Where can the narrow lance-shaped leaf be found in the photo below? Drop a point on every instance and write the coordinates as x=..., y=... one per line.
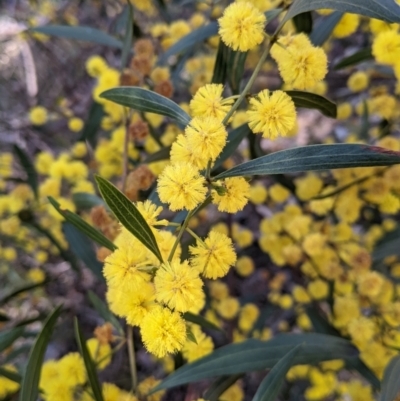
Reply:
x=85, y=201
x=355, y=58
x=128, y=215
x=7, y=337
x=83, y=226
x=82, y=247
x=92, y=124
x=146, y=101
x=128, y=40
x=310, y=100
x=270, y=386
x=199, y=35
x=29, y=168
x=235, y=137
x=200, y=320
x=9, y=374
x=83, y=33
x=15, y=292
x=253, y=355
x=104, y=312
x=89, y=364
x=315, y=157
x=324, y=28
x=386, y=10
x=391, y=381
x=30, y=382
x=320, y=325
x=219, y=386
x=303, y=22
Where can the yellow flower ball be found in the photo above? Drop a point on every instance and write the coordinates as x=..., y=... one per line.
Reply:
x=178, y=286
x=242, y=26
x=244, y=266
x=181, y=186
x=163, y=332
x=38, y=115
x=213, y=257
x=358, y=81
x=75, y=124
x=231, y=194
x=272, y=114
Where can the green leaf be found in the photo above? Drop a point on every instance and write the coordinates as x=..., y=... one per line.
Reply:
x=190, y=336
x=199, y=35
x=65, y=254
x=303, y=22
x=364, y=129
x=219, y=386
x=324, y=28
x=220, y=66
x=272, y=383
x=310, y=100
x=92, y=124
x=7, y=337
x=128, y=40
x=200, y=320
x=83, y=33
x=320, y=325
x=355, y=58
x=24, y=288
x=8, y=374
x=253, y=355
x=89, y=364
x=162, y=154
x=315, y=157
x=386, y=10
x=104, y=312
x=82, y=248
x=29, y=168
x=235, y=69
x=391, y=382
x=146, y=101
x=86, y=201
x=83, y=226
x=128, y=215
x=388, y=245
x=235, y=137
x=30, y=382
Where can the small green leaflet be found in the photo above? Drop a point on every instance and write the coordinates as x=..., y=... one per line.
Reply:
x=128, y=215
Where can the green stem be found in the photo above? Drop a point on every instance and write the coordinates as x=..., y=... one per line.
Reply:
x=132, y=358
x=194, y=235
x=178, y=238
x=248, y=86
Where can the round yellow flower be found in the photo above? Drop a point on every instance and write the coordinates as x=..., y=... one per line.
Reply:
x=72, y=369
x=38, y=115
x=272, y=114
x=358, y=81
x=75, y=124
x=122, y=267
x=163, y=332
x=303, y=68
x=242, y=26
x=231, y=195
x=208, y=102
x=214, y=256
x=178, y=285
x=207, y=136
x=386, y=47
x=181, y=186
